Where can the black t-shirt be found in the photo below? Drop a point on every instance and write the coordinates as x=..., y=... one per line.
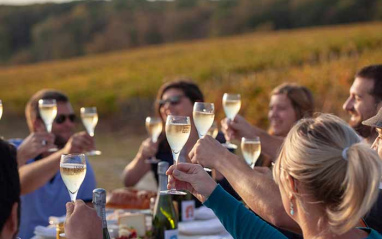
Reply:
x=374, y=218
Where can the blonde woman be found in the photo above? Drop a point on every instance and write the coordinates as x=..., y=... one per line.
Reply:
x=328, y=181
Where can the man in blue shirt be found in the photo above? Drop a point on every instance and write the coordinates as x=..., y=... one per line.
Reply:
x=43, y=192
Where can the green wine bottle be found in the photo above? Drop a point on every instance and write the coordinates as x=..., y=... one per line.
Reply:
x=165, y=221
x=185, y=207
x=99, y=202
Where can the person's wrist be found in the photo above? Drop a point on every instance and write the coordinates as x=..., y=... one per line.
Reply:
x=210, y=188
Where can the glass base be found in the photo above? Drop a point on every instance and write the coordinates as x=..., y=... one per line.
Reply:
x=173, y=192
x=230, y=146
x=152, y=160
x=93, y=153
x=52, y=149
x=207, y=169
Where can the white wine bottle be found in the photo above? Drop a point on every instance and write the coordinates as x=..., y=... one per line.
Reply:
x=165, y=221
x=99, y=202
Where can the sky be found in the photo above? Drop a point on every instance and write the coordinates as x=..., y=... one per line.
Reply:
x=26, y=2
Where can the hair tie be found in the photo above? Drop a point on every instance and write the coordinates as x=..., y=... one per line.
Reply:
x=345, y=153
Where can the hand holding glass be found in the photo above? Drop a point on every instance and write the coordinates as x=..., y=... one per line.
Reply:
x=251, y=149
x=231, y=105
x=154, y=128
x=48, y=112
x=214, y=130
x=89, y=118
x=73, y=171
x=178, y=130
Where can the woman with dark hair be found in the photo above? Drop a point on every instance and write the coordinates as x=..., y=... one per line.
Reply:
x=173, y=98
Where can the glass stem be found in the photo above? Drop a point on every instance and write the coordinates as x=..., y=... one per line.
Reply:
x=49, y=128
x=175, y=157
x=73, y=196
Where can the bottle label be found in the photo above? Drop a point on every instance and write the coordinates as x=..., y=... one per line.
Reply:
x=188, y=210
x=171, y=234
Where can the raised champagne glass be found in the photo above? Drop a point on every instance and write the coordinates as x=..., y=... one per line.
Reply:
x=203, y=115
x=1, y=109
x=89, y=118
x=154, y=127
x=48, y=112
x=231, y=105
x=73, y=171
x=251, y=149
x=178, y=130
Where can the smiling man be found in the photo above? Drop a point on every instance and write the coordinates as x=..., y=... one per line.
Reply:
x=43, y=192
x=365, y=100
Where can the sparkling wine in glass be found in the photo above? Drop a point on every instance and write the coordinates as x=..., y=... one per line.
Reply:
x=231, y=105
x=73, y=171
x=89, y=118
x=48, y=112
x=203, y=115
x=154, y=129
x=251, y=149
x=1, y=109
x=178, y=130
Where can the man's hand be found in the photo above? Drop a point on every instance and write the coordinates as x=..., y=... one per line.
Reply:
x=34, y=145
x=237, y=128
x=208, y=152
x=82, y=222
x=80, y=142
x=193, y=178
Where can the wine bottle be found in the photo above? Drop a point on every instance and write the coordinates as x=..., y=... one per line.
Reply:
x=185, y=207
x=99, y=202
x=165, y=221
x=184, y=204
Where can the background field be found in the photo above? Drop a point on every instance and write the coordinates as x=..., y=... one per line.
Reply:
x=123, y=84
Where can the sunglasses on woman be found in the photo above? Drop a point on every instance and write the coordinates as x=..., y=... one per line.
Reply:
x=173, y=100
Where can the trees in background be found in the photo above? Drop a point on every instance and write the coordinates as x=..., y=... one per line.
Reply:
x=55, y=31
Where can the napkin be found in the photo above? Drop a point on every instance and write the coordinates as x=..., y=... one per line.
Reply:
x=204, y=213
x=45, y=232
x=205, y=227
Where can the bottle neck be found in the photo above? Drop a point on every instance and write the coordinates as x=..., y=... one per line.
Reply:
x=100, y=208
x=162, y=182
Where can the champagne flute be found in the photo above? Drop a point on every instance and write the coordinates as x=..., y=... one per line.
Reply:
x=154, y=128
x=231, y=105
x=48, y=112
x=203, y=115
x=251, y=149
x=178, y=130
x=73, y=171
x=1, y=109
x=89, y=118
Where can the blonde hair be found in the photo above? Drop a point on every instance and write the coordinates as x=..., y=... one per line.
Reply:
x=345, y=185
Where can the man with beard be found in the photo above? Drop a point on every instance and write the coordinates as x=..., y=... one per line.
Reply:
x=364, y=100
x=43, y=191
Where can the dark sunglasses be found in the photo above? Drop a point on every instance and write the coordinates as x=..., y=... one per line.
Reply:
x=174, y=100
x=62, y=118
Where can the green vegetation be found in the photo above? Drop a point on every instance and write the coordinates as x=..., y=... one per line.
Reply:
x=43, y=32
x=125, y=83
